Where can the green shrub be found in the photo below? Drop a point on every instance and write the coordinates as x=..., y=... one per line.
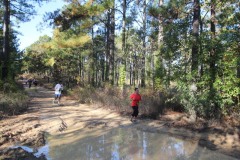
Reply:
x=196, y=101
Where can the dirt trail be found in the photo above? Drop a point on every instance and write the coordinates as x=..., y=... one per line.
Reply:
x=44, y=116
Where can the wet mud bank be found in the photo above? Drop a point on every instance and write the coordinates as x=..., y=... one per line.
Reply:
x=23, y=148
x=225, y=142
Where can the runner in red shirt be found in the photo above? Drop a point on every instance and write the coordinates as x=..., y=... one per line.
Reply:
x=135, y=97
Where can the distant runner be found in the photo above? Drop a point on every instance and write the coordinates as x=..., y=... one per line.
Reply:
x=58, y=91
x=35, y=82
x=29, y=82
x=135, y=97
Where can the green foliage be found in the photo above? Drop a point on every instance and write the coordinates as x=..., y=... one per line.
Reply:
x=122, y=76
x=226, y=83
x=80, y=49
x=22, y=11
x=191, y=99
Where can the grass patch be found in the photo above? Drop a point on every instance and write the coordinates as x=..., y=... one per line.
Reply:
x=13, y=99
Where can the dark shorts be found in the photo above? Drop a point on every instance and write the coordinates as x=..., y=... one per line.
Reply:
x=135, y=111
x=57, y=95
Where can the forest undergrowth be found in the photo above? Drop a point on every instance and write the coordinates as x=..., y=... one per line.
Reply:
x=154, y=105
x=13, y=99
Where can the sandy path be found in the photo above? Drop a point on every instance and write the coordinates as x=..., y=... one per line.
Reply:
x=43, y=116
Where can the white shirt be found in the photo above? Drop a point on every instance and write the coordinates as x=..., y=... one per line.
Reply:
x=58, y=88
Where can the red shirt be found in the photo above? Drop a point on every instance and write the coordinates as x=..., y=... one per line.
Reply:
x=135, y=99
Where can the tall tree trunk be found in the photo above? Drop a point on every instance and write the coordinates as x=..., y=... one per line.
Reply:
x=238, y=64
x=195, y=46
x=83, y=72
x=215, y=110
x=130, y=70
x=238, y=61
x=124, y=27
x=195, y=33
x=94, y=79
x=80, y=69
x=93, y=58
x=152, y=66
x=107, y=46
x=117, y=66
x=6, y=50
x=134, y=61
x=102, y=68
x=144, y=43
x=201, y=48
x=158, y=70
x=112, y=44
x=160, y=26
x=213, y=50
x=124, y=37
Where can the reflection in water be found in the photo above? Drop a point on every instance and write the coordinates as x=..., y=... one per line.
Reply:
x=126, y=143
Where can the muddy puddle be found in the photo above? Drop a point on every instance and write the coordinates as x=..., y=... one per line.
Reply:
x=125, y=143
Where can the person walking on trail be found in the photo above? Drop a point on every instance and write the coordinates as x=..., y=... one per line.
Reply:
x=58, y=91
x=35, y=82
x=135, y=97
x=29, y=82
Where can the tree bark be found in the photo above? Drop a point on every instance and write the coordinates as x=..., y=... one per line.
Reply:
x=159, y=67
x=213, y=50
x=195, y=33
x=201, y=48
x=6, y=51
x=124, y=27
x=112, y=44
x=124, y=37
x=160, y=27
x=107, y=47
x=238, y=61
x=144, y=43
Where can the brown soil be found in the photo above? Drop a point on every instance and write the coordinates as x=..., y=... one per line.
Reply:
x=44, y=117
